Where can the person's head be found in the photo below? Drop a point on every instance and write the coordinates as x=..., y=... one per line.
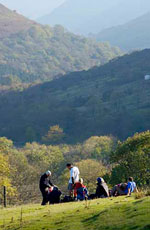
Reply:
x=100, y=180
x=69, y=166
x=81, y=181
x=130, y=179
x=48, y=173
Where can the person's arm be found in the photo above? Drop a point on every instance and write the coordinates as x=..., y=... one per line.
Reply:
x=50, y=183
x=72, y=176
x=47, y=184
x=72, y=180
x=129, y=191
x=135, y=189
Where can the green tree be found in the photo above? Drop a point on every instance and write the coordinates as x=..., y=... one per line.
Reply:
x=5, y=167
x=43, y=157
x=132, y=158
x=98, y=148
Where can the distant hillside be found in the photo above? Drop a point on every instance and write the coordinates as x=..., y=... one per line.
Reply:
x=11, y=22
x=133, y=35
x=86, y=16
x=111, y=99
x=39, y=53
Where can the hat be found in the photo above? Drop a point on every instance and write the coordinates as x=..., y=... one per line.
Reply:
x=100, y=180
x=48, y=173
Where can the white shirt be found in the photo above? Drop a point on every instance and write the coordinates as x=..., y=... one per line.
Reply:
x=74, y=172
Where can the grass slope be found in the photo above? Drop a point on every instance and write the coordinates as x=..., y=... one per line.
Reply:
x=11, y=22
x=112, y=214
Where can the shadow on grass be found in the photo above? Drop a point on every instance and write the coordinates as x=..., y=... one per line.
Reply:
x=95, y=226
x=94, y=218
x=146, y=227
x=138, y=202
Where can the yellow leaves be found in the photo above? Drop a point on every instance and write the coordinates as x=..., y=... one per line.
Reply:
x=4, y=168
x=4, y=171
x=5, y=180
x=5, y=145
x=55, y=134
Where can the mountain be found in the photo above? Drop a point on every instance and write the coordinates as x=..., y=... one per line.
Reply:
x=11, y=22
x=86, y=16
x=132, y=35
x=32, y=9
x=112, y=99
x=32, y=52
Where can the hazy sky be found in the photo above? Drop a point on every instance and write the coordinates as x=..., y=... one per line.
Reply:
x=32, y=8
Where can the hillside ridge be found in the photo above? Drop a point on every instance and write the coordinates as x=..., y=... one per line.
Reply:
x=11, y=22
x=39, y=53
x=85, y=103
x=132, y=35
x=99, y=14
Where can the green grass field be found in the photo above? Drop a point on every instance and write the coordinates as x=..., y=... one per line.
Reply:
x=122, y=213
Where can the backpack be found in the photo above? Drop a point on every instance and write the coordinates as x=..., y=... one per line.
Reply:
x=82, y=193
x=67, y=199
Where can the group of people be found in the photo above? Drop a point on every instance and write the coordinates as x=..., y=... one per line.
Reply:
x=77, y=189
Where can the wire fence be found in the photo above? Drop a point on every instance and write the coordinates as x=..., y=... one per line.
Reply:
x=25, y=196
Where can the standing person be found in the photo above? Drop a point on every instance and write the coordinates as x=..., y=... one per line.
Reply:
x=74, y=177
x=45, y=184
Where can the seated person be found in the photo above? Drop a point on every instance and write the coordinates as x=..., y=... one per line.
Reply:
x=131, y=187
x=119, y=189
x=101, y=190
x=124, y=189
x=80, y=190
x=54, y=195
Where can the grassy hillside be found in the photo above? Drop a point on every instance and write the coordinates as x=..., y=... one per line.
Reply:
x=11, y=22
x=111, y=214
x=112, y=99
x=133, y=35
x=34, y=53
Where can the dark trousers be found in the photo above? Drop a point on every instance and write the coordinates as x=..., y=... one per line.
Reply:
x=45, y=198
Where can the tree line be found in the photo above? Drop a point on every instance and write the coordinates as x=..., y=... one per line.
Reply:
x=21, y=168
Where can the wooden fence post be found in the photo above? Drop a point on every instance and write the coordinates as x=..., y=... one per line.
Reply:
x=5, y=197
